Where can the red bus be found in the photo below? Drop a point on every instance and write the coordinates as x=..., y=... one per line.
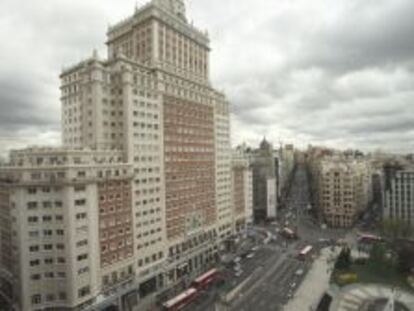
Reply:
x=369, y=238
x=204, y=280
x=288, y=233
x=304, y=252
x=180, y=301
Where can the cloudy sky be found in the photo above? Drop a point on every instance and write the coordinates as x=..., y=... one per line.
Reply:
x=339, y=73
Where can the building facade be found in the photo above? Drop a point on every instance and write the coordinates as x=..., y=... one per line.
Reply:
x=242, y=183
x=342, y=189
x=142, y=187
x=398, y=194
x=71, y=225
x=287, y=163
x=264, y=183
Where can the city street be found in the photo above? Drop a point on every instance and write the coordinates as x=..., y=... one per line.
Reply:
x=275, y=271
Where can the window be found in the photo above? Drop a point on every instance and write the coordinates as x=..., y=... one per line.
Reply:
x=47, y=204
x=82, y=257
x=34, y=248
x=35, y=277
x=80, y=202
x=59, y=218
x=36, y=299
x=60, y=232
x=49, y=275
x=60, y=246
x=81, y=216
x=82, y=243
x=49, y=261
x=31, y=190
x=83, y=270
x=84, y=291
x=50, y=297
x=34, y=263
x=62, y=296
x=48, y=247
x=79, y=188
x=47, y=218
x=47, y=232
x=31, y=205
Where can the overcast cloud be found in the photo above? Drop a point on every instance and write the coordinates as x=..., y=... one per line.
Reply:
x=339, y=73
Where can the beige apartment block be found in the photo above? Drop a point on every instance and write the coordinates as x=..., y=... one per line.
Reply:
x=343, y=189
x=143, y=182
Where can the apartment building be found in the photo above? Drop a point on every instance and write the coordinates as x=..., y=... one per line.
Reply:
x=142, y=187
x=342, y=189
x=287, y=160
x=242, y=182
x=398, y=193
x=70, y=225
x=264, y=182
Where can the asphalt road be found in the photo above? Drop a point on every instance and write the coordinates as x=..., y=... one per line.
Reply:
x=274, y=269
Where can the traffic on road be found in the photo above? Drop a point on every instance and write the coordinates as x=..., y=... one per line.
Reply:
x=271, y=260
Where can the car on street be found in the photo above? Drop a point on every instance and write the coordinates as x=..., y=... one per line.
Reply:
x=251, y=255
x=237, y=267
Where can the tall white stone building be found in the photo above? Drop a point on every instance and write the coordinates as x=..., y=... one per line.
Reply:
x=140, y=195
x=242, y=183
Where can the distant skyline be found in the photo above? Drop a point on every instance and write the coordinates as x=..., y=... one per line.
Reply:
x=336, y=73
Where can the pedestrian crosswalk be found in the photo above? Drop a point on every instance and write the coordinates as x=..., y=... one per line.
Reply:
x=355, y=298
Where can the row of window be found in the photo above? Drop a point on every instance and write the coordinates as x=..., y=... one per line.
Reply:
x=50, y=297
x=45, y=219
x=148, y=223
x=46, y=247
x=47, y=261
x=147, y=233
x=150, y=259
x=48, y=275
x=33, y=205
x=148, y=244
x=46, y=233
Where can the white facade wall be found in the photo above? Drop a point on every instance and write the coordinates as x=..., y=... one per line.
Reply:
x=223, y=169
x=271, y=198
x=399, y=198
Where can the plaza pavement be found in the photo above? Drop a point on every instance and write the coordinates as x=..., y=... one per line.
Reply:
x=316, y=283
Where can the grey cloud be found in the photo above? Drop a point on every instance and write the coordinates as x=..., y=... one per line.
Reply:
x=335, y=72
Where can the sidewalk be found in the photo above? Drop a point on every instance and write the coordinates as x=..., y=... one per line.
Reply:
x=315, y=284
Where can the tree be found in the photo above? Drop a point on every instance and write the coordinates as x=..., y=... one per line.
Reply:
x=405, y=259
x=396, y=228
x=377, y=256
x=344, y=259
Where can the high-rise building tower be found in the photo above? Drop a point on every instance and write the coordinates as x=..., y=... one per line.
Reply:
x=139, y=197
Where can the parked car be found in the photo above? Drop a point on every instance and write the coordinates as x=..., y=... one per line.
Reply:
x=238, y=273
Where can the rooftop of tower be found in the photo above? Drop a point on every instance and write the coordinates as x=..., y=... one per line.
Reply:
x=173, y=10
